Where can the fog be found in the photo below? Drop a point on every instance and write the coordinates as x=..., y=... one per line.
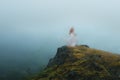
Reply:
x=32, y=30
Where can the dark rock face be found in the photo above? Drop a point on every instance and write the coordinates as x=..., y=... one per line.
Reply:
x=59, y=57
x=62, y=54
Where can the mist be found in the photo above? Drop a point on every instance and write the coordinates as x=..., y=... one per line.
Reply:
x=32, y=30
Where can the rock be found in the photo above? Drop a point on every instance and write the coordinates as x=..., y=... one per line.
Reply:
x=63, y=54
x=59, y=58
x=85, y=46
x=82, y=63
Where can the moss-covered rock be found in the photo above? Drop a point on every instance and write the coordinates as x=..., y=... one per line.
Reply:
x=81, y=63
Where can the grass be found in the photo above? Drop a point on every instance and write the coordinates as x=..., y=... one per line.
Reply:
x=84, y=67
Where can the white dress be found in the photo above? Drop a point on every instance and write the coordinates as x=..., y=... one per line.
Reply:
x=72, y=41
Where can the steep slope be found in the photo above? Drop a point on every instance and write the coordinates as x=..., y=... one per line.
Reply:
x=81, y=63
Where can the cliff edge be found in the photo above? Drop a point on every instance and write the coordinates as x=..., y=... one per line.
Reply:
x=81, y=63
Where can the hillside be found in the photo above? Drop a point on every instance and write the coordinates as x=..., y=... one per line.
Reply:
x=81, y=63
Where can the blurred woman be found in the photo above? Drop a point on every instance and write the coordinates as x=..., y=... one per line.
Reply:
x=72, y=41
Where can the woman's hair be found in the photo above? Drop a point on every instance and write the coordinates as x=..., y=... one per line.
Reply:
x=71, y=30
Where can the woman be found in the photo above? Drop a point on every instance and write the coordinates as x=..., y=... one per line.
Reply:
x=72, y=39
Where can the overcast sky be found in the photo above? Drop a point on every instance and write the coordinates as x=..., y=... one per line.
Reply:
x=28, y=25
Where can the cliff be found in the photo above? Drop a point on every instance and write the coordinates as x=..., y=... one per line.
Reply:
x=81, y=63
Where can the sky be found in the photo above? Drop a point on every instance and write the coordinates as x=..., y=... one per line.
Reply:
x=32, y=30
x=30, y=25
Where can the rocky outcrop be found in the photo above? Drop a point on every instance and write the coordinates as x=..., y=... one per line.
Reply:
x=81, y=63
x=63, y=55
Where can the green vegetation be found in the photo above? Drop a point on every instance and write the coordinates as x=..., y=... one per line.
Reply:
x=89, y=64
